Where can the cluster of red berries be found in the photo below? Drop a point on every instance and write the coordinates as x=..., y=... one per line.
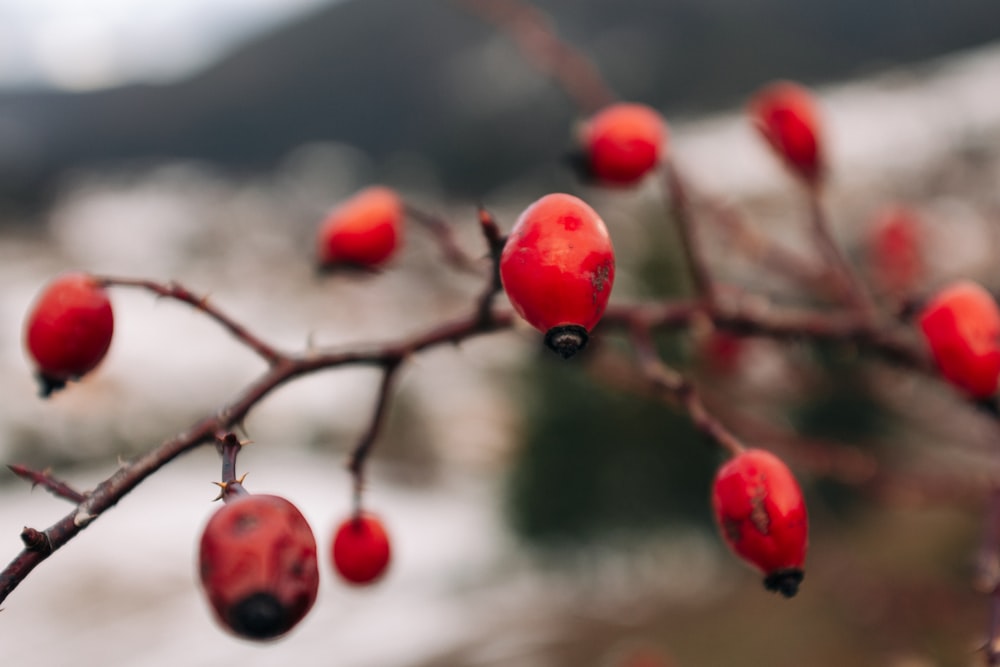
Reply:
x=258, y=556
x=258, y=564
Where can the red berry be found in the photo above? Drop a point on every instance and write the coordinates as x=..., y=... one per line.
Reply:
x=558, y=268
x=895, y=249
x=762, y=517
x=360, y=549
x=258, y=566
x=962, y=328
x=623, y=142
x=787, y=117
x=68, y=330
x=722, y=352
x=363, y=232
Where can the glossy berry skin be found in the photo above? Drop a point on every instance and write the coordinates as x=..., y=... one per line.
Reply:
x=68, y=330
x=360, y=551
x=761, y=514
x=961, y=325
x=623, y=143
x=557, y=268
x=258, y=567
x=896, y=251
x=786, y=116
x=363, y=232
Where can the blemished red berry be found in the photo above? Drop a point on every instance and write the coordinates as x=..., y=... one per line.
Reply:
x=258, y=566
x=761, y=514
x=360, y=551
x=363, y=232
x=896, y=250
x=961, y=325
x=624, y=142
x=558, y=268
x=68, y=330
x=786, y=115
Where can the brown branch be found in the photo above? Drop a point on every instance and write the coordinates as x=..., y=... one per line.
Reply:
x=639, y=320
x=173, y=290
x=364, y=447
x=444, y=236
x=495, y=241
x=106, y=494
x=44, y=479
x=680, y=389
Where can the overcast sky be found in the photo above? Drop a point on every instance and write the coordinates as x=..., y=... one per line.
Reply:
x=88, y=44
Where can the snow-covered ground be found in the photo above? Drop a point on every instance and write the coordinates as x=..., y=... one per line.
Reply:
x=124, y=592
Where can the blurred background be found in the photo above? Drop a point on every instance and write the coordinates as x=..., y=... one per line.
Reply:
x=543, y=513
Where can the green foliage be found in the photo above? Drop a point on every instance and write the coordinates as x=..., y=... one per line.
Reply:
x=597, y=460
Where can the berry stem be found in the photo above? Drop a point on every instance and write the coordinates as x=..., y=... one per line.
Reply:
x=495, y=241
x=367, y=442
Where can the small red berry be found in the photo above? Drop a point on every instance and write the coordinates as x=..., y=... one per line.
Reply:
x=962, y=328
x=557, y=268
x=363, y=232
x=895, y=250
x=761, y=514
x=258, y=566
x=68, y=330
x=360, y=549
x=623, y=142
x=722, y=352
x=786, y=116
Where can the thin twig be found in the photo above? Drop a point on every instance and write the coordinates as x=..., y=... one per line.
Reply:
x=178, y=292
x=680, y=389
x=495, y=241
x=444, y=236
x=44, y=479
x=367, y=442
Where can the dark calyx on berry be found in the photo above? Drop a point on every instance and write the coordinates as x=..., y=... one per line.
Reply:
x=785, y=582
x=48, y=384
x=566, y=340
x=259, y=616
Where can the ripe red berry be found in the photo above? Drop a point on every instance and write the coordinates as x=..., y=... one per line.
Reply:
x=557, y=268
x=962, y=328
x=786, y=116
x=258, y=566
x=68, y=330
x=623, y=142
x=360, y=549
x=363, y=232
x=895, y=250
x=762, y=517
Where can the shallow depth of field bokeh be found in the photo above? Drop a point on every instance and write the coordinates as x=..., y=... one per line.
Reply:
x=543, y=513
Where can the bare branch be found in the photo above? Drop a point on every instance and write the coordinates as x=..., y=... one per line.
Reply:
x=44, y=479
x=364, y=447
x=180, y=293
x=444, y=236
